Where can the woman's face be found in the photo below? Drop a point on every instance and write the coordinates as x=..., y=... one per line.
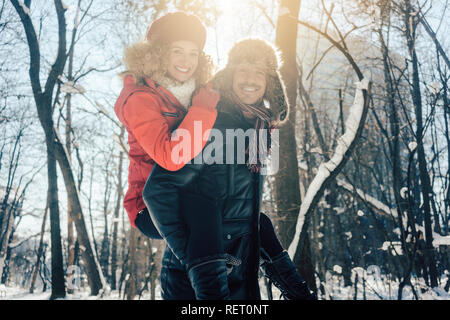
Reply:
x=183, y=60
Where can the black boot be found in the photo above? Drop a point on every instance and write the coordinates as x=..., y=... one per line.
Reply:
x=283, y=274
x=209, y=280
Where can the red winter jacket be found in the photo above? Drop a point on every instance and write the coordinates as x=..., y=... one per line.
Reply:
x=149, y=113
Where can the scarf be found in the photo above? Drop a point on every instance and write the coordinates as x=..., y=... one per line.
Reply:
x=263, y=120
x=181, y=90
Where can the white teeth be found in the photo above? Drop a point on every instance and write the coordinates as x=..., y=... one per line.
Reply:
x=248, y=89
x=182, y=69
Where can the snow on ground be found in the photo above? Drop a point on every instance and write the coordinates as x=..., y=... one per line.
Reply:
x=372, y=285
x=375, y=286
x=17, y=293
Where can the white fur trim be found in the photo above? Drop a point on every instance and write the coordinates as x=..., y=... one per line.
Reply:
x=181, y=91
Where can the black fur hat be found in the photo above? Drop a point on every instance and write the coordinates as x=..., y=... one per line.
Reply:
x=259, y=53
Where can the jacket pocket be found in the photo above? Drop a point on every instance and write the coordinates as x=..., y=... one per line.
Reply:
x=238, y=247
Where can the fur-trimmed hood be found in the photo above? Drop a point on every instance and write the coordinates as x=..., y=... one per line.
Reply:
x=260, y=53
x=148, y=59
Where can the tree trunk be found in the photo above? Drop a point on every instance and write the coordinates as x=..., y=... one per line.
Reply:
x=104, y=251
x=115, y=222
x=68, y=127
x=58, y=286
x=423, y=171
x=91, y=265
x=40, y=250
x=286, y=184
x=130, y=287
x=7, y=225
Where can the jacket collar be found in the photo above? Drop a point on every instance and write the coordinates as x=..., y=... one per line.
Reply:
x=165, y=94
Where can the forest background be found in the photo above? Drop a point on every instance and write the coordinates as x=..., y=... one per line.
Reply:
x=362, y=197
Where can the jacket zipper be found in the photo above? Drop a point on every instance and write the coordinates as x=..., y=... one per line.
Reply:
x=171, y=114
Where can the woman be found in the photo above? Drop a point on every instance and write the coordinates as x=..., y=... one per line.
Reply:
x=163, y=71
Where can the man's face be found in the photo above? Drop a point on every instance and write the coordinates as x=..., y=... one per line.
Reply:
x=249, y=83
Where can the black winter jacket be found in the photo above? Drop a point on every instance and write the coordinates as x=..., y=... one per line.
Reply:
x=234, y=189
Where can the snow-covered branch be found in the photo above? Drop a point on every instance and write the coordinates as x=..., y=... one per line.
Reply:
x=376, y=204
x=328, y=171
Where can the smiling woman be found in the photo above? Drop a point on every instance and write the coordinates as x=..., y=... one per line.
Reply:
x=162, y=73
x=183, y=60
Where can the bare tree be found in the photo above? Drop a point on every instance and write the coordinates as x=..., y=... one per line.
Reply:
x=57, y=152
x=411, y=27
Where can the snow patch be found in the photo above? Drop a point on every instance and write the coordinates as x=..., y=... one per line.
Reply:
x=434, y=87
x=403, y=192
x=302, y=165
x=439, y=240
x=394, y=247
x=283, y=11
x=25, y=8
x=412, y=146
x=65, y=6
x=337, y=269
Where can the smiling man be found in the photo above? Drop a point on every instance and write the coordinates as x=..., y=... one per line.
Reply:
x=249, y=83
x=252, y=76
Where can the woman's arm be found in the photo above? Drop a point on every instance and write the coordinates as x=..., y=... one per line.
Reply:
x=143, y=116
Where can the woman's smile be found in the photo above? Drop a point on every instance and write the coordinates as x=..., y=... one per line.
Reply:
x=182, y=69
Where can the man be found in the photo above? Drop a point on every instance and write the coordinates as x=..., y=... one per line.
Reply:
x=209, y=211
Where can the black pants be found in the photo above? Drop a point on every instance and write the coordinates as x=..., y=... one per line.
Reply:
x=210, y=224
x=204, y=240
x=175, y=284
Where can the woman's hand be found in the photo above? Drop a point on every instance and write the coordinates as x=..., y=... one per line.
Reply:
x=206, y=97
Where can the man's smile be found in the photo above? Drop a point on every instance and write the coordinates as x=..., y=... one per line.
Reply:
x=249, y=88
